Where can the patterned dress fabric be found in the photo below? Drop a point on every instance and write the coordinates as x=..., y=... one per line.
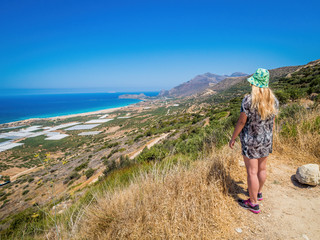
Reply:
x=256, y=136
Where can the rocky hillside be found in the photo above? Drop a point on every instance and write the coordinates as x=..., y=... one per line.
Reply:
x=198, y=84
x=239, y=82
x=165, y=166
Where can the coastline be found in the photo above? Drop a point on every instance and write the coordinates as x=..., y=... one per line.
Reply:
x=30, y=120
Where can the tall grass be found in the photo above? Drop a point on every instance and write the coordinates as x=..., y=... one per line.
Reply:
x=297, y=139
x=180, y=197
x=173, y=200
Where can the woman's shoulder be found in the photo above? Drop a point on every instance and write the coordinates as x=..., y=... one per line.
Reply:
x=276, y=101
x=246, y=98
x=246, y=104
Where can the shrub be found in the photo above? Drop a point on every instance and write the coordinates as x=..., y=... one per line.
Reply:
x=292, y=111
x=113, y=151
x=110, y=166
x=89, y=173
x=5, y=178
x=25, y=192
x=282, y=96
x=81, y=166
x=30, y=179
x=289, y=130
x=156, y=152
x=138, y=137
x=124, y=161
x=74, y=176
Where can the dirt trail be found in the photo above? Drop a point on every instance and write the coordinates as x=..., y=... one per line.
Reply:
x=33, y=169
x=131, y=155
x=152, y=142
x=289, y=210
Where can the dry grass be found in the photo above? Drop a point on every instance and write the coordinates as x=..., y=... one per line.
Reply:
x=179, y=201
x=304, y=146
x=186, y=201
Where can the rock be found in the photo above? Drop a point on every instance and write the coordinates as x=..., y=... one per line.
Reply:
x=305, y=236
x=308, y=174
x=241, y=163
x=238, y=230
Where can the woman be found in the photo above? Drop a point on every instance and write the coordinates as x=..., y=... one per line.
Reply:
x=255, y=126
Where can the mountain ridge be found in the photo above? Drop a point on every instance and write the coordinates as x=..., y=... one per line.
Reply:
x=197, y=84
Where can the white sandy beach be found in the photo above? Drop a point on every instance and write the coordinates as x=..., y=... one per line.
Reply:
x=104, y=111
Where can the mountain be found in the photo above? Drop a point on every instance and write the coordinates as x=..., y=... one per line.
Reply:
x=197, y=84
x=287, y=82
x=240, y=81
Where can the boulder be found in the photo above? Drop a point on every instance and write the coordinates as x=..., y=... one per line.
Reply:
x=308, y=174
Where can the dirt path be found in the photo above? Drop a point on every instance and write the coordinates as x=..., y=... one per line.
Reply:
x=152, y=142
x=289, y=210
x=33, y=169
x=132, y=155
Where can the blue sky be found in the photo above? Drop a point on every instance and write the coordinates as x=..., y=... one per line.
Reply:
x=149, y=45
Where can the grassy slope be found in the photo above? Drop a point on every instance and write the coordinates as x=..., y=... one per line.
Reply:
x=179, y=183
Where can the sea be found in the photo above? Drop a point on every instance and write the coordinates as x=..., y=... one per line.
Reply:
x=16, y=105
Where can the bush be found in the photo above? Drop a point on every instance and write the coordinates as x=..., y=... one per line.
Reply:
x=292, y=111
x=110, y=166
x=5, y=178
x=25, y=192
x=30, y=179
x=289, y=130
x=113, y=151
x=89, y=173
x=74, y=176
x=18, y=225
x=156, y=152
x=124, y=161
x=138, y=137
x=81, y=166
x=282, y=96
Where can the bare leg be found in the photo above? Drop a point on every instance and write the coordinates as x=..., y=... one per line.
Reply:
x=252, y=178
x=262, y=172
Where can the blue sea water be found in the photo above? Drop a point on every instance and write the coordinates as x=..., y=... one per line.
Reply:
x=15, y=107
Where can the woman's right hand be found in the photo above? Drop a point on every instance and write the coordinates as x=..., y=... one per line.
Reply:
x=231, y=143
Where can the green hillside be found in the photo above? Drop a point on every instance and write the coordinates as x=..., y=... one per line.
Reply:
x=192, y=137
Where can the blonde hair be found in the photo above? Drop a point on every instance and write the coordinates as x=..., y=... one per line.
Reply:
x=263, y=100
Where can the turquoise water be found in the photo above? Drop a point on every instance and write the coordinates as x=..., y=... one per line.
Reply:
x=15, y=107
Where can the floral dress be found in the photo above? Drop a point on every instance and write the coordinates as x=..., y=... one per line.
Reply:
x=256, y=136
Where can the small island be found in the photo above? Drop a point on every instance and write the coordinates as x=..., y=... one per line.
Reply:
x=133, y=96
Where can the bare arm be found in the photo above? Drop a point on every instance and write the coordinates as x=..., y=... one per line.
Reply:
x=240, y=124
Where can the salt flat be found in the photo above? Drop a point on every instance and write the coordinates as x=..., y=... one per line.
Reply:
x=89, y=133
x=56, y=137
x=82, y=127
x=100, y=120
